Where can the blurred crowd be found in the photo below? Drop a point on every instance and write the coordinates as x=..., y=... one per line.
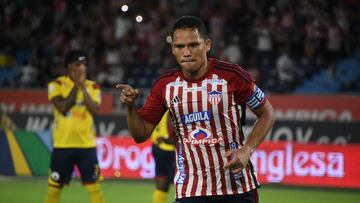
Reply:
x=281, y=43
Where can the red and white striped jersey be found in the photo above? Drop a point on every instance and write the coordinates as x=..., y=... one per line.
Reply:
x=206, y=115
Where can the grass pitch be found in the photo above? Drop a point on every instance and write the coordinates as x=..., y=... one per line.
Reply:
x=30, y=190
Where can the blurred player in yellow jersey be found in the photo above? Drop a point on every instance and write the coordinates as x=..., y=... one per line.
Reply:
x=163, y=153
x=75, y=99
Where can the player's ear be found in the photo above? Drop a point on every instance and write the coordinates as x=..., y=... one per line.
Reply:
x=208, y=44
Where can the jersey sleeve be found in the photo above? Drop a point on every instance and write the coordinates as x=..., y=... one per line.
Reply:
x=154, y=107
x=249, y=93
x=54, y=89
x=95, y=94
x=257, y=97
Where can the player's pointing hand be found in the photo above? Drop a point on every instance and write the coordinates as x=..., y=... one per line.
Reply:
x=128, y=94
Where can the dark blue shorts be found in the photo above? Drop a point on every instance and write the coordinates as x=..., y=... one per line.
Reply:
x=164, y=162
x=63, y=161
x=248, y=197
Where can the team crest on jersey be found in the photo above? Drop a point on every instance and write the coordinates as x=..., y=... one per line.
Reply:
x=214, y=97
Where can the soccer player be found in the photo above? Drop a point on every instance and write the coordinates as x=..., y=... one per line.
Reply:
x=75, y=99
x=164, y=156
x=204, y=98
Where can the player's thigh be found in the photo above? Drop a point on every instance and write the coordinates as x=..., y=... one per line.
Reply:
x=88, y=165
x=61, y=166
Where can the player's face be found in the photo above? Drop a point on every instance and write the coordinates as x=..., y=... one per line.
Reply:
x=77, y=70
x=190, y=51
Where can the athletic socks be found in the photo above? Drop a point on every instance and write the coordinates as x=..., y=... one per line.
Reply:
x=53, y=194
x=159, y=196
x=95, y=193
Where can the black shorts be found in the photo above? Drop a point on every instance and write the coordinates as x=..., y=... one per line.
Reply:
x=248, y=197
x=164, y=162
x=63, y=161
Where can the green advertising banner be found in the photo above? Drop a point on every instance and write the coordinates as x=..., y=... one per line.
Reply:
x=24, y=153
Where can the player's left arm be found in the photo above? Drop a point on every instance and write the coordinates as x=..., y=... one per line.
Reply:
x=265, y=121
x=239, y=158
x=264, y=111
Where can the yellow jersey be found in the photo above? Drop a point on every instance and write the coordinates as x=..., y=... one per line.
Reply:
x=75, y=129
x=161, y=130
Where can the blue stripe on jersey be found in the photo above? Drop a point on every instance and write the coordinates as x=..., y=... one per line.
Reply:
x=256, y=98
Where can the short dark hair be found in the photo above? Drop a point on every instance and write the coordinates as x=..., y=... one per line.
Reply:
x=190, y=22
x=75, y=55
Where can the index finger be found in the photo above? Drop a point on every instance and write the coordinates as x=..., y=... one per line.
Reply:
x=122, y=86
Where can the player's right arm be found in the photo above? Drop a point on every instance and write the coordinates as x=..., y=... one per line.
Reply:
x=140, y=129
x=62, y=104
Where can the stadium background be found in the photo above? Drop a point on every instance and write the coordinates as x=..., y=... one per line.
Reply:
x=304, y=54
